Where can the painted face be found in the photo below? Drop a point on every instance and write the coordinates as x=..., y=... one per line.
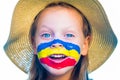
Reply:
x=58, y=57
x=59, y=39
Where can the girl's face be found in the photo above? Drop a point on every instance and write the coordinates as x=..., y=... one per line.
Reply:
x=59, y=39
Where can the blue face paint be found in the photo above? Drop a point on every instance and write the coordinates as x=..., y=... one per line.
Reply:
x=67, y=45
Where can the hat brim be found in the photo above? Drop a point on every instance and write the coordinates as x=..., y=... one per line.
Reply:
x=18, y=46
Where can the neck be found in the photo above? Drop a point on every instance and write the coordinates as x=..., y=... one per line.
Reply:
x=65, y=76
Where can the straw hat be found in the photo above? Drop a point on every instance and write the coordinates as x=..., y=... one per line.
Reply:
x=18, y=47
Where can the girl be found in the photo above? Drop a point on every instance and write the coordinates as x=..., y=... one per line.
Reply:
x=60, y=39
x=60, y=25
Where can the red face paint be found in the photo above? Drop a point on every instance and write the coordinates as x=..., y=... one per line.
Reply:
x=58, y=65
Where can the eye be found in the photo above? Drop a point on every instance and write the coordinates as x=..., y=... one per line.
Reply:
x=69, y=35
x=46, y=35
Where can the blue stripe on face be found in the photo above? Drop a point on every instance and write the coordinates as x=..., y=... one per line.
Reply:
x=67, y=45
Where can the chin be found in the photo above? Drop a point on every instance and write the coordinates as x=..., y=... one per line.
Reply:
x=57, y=72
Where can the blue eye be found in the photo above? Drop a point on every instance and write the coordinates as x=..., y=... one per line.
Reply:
x=69, y=35
x=46, y=35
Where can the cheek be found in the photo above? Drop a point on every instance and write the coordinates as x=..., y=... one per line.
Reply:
x=78, y=41
x=74, y=54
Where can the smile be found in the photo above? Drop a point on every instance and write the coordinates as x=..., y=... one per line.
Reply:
x=57, y=58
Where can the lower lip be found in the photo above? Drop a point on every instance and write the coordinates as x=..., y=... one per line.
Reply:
x=58, y=63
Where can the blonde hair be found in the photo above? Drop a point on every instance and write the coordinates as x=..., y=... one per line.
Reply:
x=37, y=71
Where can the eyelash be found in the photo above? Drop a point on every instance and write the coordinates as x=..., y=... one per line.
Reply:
x=46, y=35
x=69, y=35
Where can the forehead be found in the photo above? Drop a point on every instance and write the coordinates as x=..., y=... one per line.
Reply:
x=60, y=10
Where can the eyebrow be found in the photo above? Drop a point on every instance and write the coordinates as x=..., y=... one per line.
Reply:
x=45, y=26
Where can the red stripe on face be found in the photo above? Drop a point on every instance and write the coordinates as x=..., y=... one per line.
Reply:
x=58, y=65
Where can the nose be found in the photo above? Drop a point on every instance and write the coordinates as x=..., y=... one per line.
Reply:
x=56, y=45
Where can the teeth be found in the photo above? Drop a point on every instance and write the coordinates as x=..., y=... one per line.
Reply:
x=57, y=56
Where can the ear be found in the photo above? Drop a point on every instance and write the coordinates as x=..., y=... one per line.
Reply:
x=85, y=46
x=35, y=49
x=34, y=46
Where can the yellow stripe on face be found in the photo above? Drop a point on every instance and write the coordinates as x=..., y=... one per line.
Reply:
x=74, y=54
x=49, y=51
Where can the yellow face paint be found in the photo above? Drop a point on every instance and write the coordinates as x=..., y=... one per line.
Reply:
x=49, y=51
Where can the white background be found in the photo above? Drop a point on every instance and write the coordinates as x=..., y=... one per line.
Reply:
x=109, y=71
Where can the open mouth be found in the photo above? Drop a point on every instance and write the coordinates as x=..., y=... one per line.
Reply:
x=57, y=58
